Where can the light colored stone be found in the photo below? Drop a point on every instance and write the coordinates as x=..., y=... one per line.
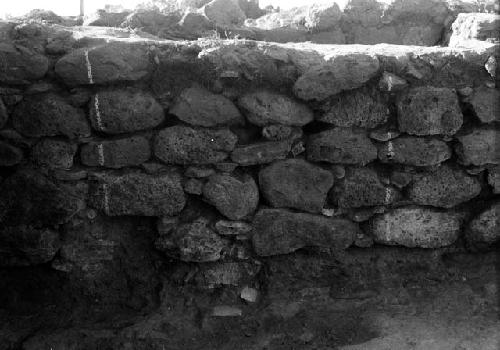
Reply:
x=249, y=294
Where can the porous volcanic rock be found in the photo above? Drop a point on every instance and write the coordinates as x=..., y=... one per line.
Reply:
x=21, y=65
x=479, y=147
x=416, y=151
x=261, y=152
x=54, y=153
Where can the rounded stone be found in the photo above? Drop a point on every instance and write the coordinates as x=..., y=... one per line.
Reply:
x=484, y=230
x=416, y=151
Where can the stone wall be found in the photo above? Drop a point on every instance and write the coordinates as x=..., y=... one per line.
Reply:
x=121, y=158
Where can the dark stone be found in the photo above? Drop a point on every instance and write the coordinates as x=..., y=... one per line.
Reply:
x=494, y=179
x=20, y=65
x=130, y=151
x=235, y=197
x=218, y=274
x=4, y=116
x=137, y=194
x=10, y=155
x=479, y=147
x=417, y=151
x=278, y=231
x=123, y=111
x=341, y=145
x=486, y=104
x=484, y=230
x=261, y=153
x=55, y=154
x=198, y=106
x=277, y=132
x=295, y=183
x=185, y=145
x=49, y=115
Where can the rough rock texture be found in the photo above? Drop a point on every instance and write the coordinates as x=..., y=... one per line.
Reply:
x=416, y=227
x=184, y=145
x=494, y=179
x=49, y=115
x=479, y=147
x=225, y=13
x=9, y=154
x=235, y=197
x=137, y=194
x=484, y=230
x=278, y=231
x=429, y=111
x=486, y=104
x=104, y=64
x=446, y=187
x=340, y=74
x=362, y=187
x=265, y=108
x=358, y=109
x=226, y=274
x=297, y=184
x=123, y=111
x=21, y=64
x=54, y=153
x=414, y=151
x=118, y=153
x=197, y=106
x=341, y=145
x=261, y=153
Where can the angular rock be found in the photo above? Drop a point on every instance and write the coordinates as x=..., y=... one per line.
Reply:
x=234, y=197
x=391, y=83
x=232, y=228
x=417, y=228
x=321, y=17
x=49, y=115
x=479, y=147
x=130, y=151
x=184, y=145
x=104, y=64
x=9, y=155
x=486, y=104
x=53, y=153
x=295, y=183
x=278, y=231
x=362, y=187
x=123, y=111
x=137, y=194
x=415, y=151
x=446, y=187
x=29, y=198
x=429, y=111
x=356, y=109
x=224, y=13
x=198, y=106
x=103, y=18
x=484, y=230
x=494, y=179
x=469, y=27
x=25, y=245
x=192, y=242
x=261, y=153
x=20, y=65
x=265, y=108
x=341, y=145
x=342, y=73
x=226, y=274
x=4, y=116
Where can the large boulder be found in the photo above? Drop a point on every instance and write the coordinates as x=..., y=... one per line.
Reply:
x=185, y=145
x=278, y=231
x=21, y=65
x=295, y=183
x=446, y=187
x=119, y=153
x=341, y=145
x=357, y=108
x=198, y=106
x=104, y=64
x=123, y=111
x=235, y=197
x=224, y=13
x=416, y=151
x=484, y=230
x=341, y=73
x=479, y=147
x=429, y=111
x=137, y=194
x=265, y=108
x=416, y=228
x=49, y=115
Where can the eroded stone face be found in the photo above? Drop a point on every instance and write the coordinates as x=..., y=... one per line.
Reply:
x=416, y=151
x=295, y=183
x=341, y=145
x=234, y=196
x=416, y=228
x=265, y=108
x=119, y=153
x=49, y=115
x=137, y=194
x=185, y=145
x=429, y=111
x=279, y=231
x=446, y=187
x=484, y=230
x=123, y=111
x=198, y=106
x=479, y=147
